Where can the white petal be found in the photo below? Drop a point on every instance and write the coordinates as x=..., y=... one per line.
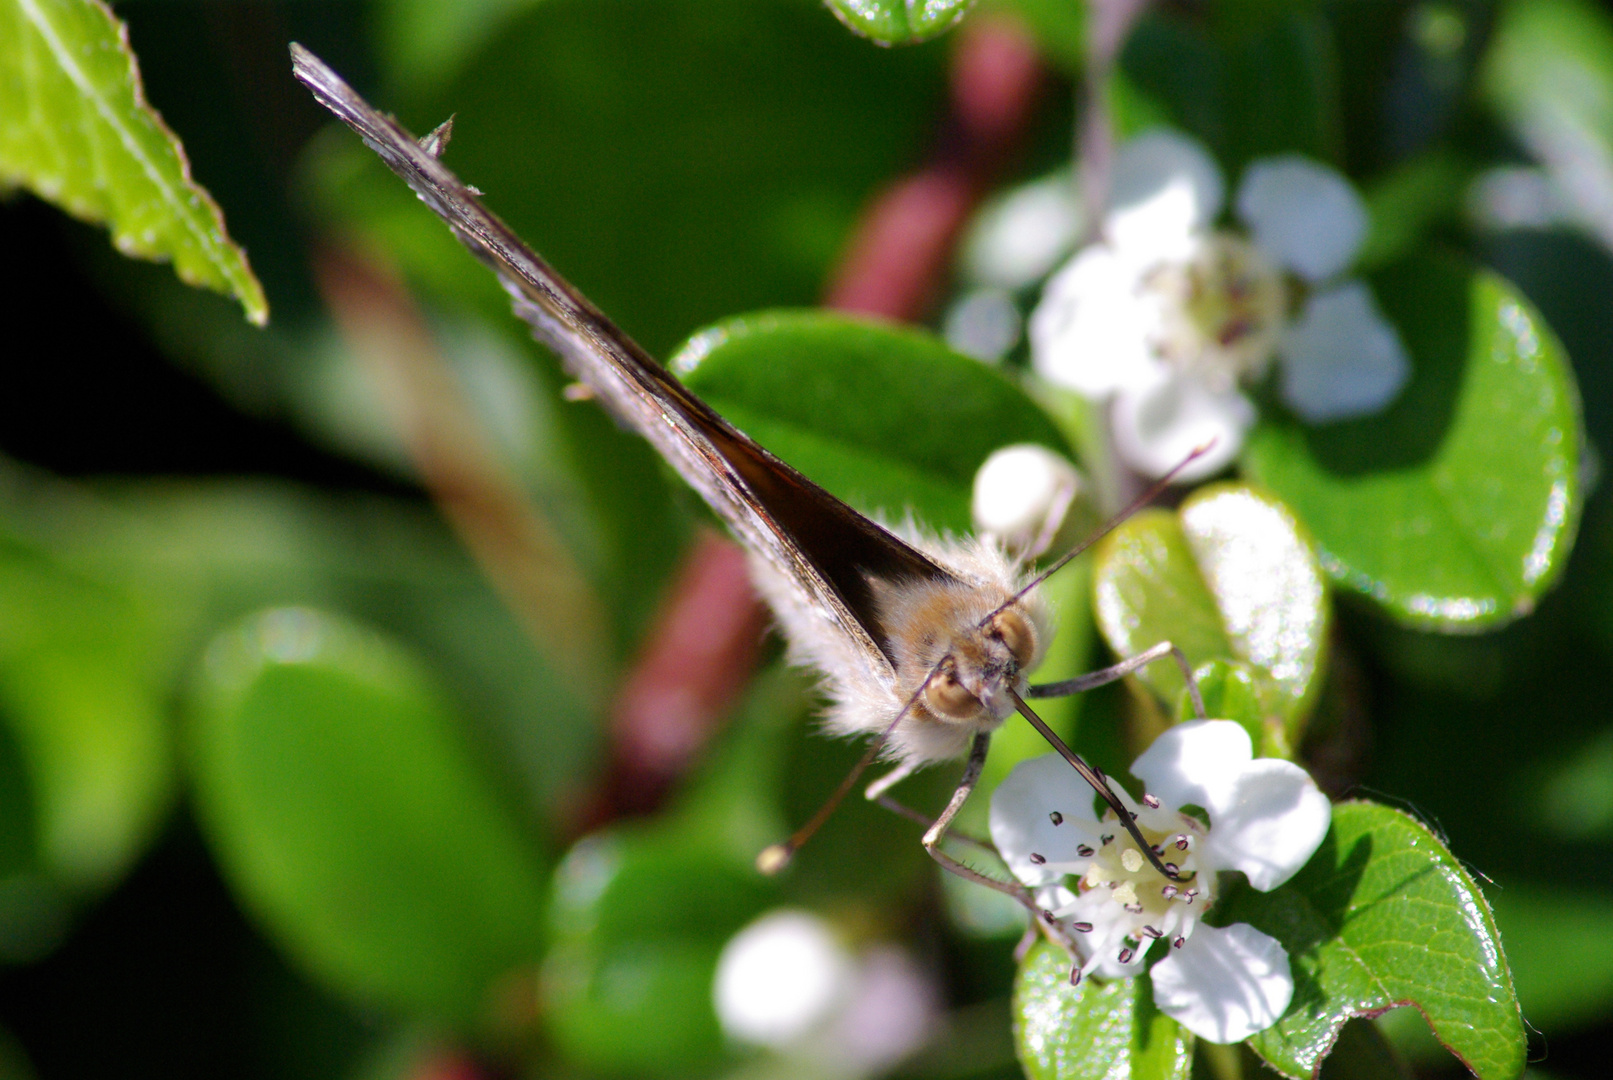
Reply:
x=892, y=1012
x=1225, y=983
x=1165, y=188
x=1157, y=426
x=780, y=977
x=1021, y=494
x=1092, y=329
x=1017, y=239
x=1341, y=358
x=984, y=324
x=1194, y=763
x=1267, y=822
x=1021, y=821
x=1303, y=214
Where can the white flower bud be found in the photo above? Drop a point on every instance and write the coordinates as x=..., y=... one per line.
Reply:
x=1021, y=496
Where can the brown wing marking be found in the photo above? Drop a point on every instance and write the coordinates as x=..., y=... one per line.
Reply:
x=817, y=540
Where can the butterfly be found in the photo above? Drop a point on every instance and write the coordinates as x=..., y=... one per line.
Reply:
x=924, y=642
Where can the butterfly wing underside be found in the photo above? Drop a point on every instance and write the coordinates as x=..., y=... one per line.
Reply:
x=827, y=550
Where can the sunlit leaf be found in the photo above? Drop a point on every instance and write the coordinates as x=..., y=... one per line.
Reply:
x=900, y=22
x=1428, y=509
x=1384, y=916
x=348, y=812
x=1231, y=576
x=76, y=130
x=1095, y=1030
x=886, y=417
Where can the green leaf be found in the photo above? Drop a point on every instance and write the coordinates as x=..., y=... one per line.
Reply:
x=899, y=22
x=1406, y=203
x=76, y=130
x=1384, y=916
x=1231, y=576
x=1093, y=1031
x=345, y=808
x=640, y=916
x=87, y=663
x=1236, y=691
x=1457, y=507
x=886, y=417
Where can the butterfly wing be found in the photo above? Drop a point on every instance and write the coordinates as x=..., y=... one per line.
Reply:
x=827, y=550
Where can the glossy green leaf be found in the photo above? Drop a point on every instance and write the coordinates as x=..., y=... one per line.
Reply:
x=347, y=811
x=1457, y=507
x=886, y=417
x=1236, y=691
x=1231, y=576
x=1093, y=1031
x=1384, y=916
x=899, y=22
x=76, y=130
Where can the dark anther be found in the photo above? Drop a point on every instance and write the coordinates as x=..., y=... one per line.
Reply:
x=1181, y=843
x=1107, y=840
x=1081, y=927
x=1056, y=818
x=1177, y=944
x=1085, y=851
x=1151, y=802
x=1172, y=868
x=1150, y=932
x=1126, y=955
x=1075, y=976
x=1048, y=915
x=1169, y=892
x=1156, y=850
x=1037, y=859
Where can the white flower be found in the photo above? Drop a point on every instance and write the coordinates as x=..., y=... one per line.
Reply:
x=786, y=982
x=1168, y=315
x=1266, y=819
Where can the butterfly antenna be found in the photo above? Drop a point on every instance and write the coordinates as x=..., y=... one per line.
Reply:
x=776, y=857
x=1154, y=491
x=1100, y=784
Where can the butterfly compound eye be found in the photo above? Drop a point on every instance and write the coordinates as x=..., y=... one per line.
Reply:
x=949, y=698
x=1016, y=634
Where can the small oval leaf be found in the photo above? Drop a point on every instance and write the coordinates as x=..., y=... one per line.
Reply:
x=1232, y=577
x=886, y=417
x=77, y=131
x=1385, y=916
x=899, y=22
x=1457, y=507
x=345, y=808
x=1095, y=1030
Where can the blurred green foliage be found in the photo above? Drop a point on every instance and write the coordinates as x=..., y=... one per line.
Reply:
x=286, y=788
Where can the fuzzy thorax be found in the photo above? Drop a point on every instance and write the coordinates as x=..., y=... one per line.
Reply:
x=927, y=622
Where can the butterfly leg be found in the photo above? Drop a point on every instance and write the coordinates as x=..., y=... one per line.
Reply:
x=876, y=792
x=1104, y=676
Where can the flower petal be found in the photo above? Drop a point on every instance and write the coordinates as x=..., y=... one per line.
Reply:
x=1165, y=187
x=1225, y=983
x=1195, y=763
x=1092, y=328
x=1018, y=238
x=1267, y=822
x=1341, y=358
x=1303, y=214
x=1157, y=426
x=1021, y=821
x=779, y=977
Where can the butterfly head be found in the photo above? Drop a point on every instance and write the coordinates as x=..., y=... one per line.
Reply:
x=981, y=664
